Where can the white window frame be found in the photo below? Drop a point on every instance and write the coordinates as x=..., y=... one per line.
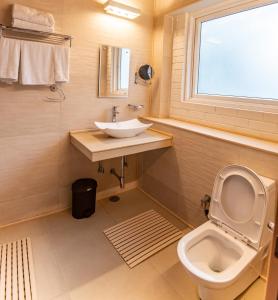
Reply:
x=193, y=21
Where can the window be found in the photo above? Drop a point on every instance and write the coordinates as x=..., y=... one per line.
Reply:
x=236, y=55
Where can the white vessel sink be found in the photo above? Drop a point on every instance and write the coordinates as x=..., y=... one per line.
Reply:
x=123, y=129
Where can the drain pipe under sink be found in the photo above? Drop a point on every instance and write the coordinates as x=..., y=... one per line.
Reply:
x=121, y=177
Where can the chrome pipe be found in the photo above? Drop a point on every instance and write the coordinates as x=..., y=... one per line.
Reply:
x=121, y=177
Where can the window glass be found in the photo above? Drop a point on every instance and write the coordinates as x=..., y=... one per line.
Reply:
x=239, y=54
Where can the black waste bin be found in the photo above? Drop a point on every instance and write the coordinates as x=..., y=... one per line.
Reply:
x=83, y=198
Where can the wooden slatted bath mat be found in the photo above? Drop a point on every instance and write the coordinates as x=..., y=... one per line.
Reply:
x=17, y=280
x=140, y=237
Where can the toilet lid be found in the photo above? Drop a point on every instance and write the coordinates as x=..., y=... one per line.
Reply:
x=239, y=202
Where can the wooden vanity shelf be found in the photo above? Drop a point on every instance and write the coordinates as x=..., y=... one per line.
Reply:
x=97, y=146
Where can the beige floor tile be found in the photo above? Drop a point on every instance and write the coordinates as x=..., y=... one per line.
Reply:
x=64, y=226
x=84, y=261
x=255, y=292
x=63, y=297
x=32, y=229
x=73, y=260
x=134, y=202
x=49, y=279
x=142, y=282
x=168, y=265
x=82, y=250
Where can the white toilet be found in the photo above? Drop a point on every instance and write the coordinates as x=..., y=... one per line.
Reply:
x=225, y=255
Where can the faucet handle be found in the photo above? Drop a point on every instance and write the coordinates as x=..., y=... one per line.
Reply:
x=135, y=107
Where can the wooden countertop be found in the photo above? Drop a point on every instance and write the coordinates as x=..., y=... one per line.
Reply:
x=97, y=146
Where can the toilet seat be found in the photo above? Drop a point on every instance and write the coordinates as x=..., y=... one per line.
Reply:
x=239, y=204
x=208, y=277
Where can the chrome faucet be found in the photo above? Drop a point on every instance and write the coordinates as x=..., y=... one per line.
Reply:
x=115, y=112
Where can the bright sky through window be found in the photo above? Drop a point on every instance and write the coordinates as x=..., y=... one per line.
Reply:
x=239, y=54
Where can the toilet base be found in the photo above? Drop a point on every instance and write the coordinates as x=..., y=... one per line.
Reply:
x=232, y=291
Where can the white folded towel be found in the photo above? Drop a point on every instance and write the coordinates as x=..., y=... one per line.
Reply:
x=28, y=25
x=37, y=63
x=32, y=15
x=61, y=62
x=9, y=59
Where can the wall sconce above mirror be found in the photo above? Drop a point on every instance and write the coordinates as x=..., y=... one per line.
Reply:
x=114, y=67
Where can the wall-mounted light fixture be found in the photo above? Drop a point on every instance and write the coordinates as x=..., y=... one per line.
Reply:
x=121, y=10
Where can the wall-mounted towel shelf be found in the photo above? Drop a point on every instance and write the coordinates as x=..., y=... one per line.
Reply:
x=33, y=35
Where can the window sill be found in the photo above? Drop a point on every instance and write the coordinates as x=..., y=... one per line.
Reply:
x=262, y=145
x=255, y=105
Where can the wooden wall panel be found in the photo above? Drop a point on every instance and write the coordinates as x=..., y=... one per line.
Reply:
x=37, y=162
x=180, y=176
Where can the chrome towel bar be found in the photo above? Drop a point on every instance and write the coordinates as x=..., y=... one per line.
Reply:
x=33, y=35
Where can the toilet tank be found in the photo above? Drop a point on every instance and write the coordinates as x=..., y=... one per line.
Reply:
x=271, y=197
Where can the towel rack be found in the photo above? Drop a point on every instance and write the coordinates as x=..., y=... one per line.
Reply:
x=33, y=35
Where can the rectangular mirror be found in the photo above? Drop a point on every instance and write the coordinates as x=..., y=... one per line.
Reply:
x=113, y=72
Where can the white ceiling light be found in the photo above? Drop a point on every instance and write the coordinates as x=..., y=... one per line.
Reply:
x=121, y=10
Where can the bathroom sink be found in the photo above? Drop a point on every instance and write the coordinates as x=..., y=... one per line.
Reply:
x=123, y=129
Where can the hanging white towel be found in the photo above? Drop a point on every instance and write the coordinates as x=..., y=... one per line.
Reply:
x=32, y=15
x=9, y=59
x=61, y=62
x=28, y=25
x=37, y=63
